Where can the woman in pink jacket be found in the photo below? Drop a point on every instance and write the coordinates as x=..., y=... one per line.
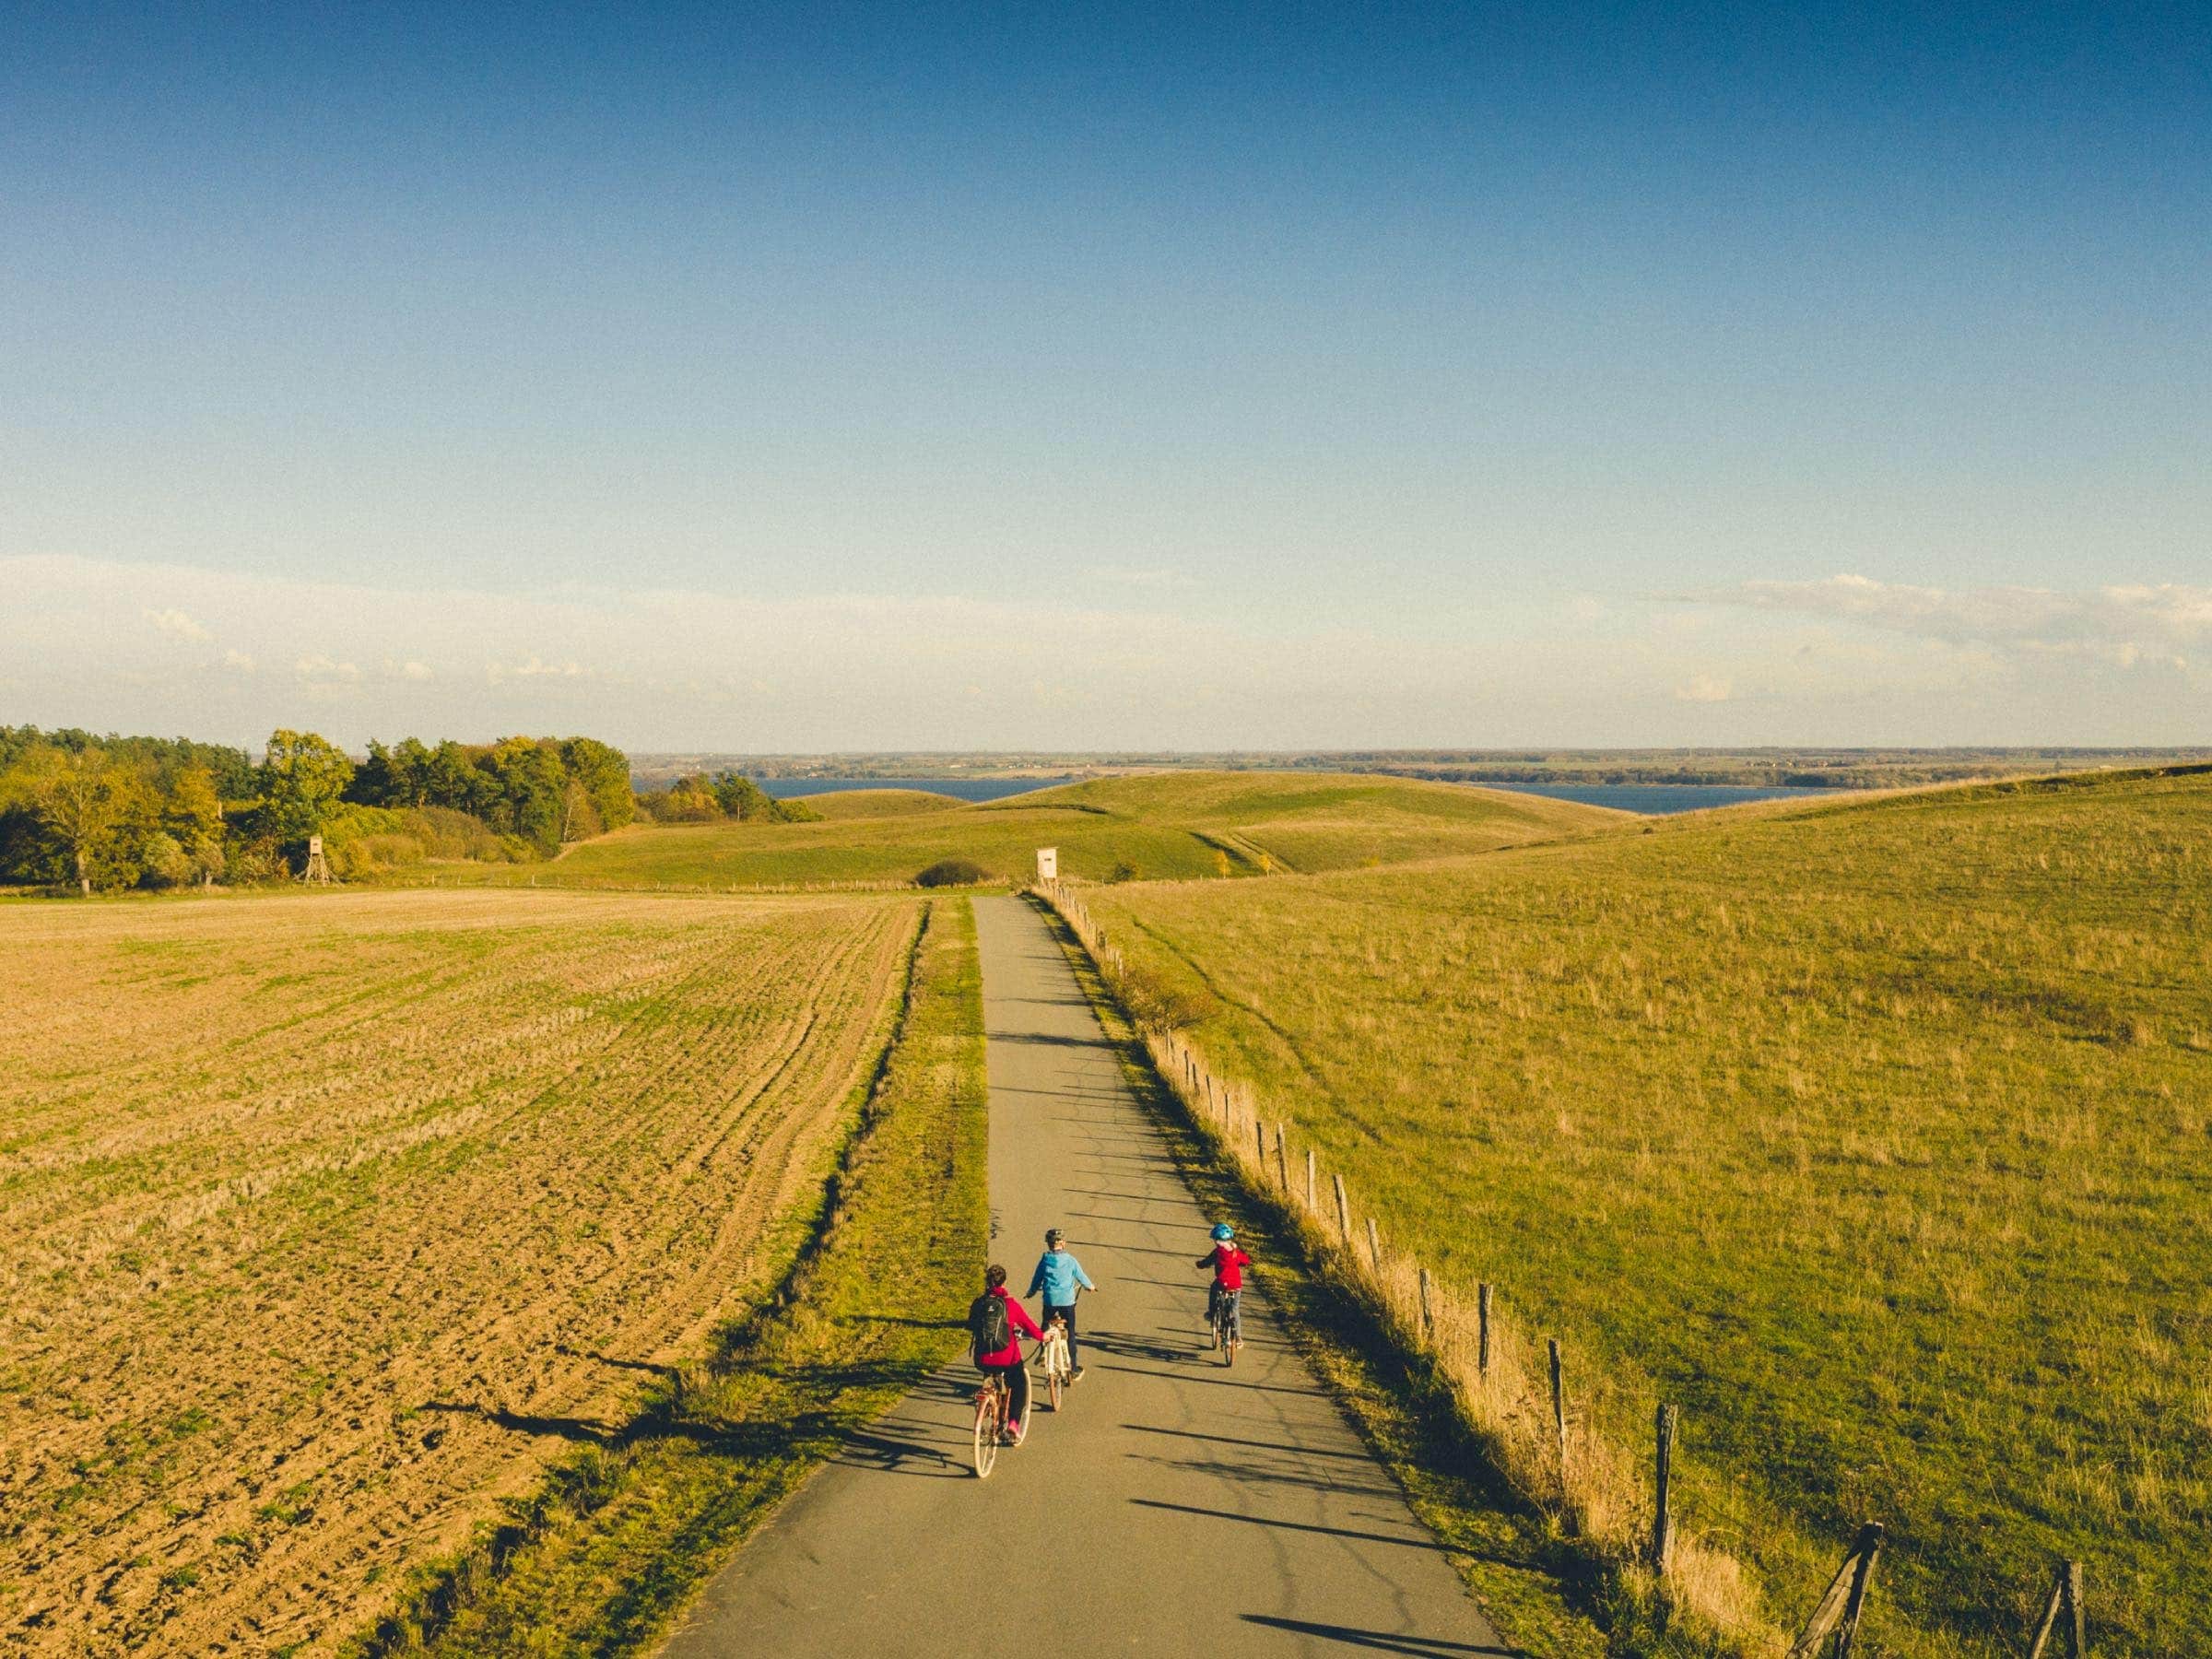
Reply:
x=1004, y=1358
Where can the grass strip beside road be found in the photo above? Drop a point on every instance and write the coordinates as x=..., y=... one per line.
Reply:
x=624, y=1533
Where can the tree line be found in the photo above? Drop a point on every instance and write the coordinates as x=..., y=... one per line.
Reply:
x=112, y=812
x=116, y=812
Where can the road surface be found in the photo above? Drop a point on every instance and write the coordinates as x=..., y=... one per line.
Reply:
x=1173, y=1507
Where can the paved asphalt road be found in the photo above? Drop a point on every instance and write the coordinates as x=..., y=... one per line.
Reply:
x=1173, y=1507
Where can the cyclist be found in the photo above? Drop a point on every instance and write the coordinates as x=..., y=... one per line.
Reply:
x=1229, y=1263
x=995, y=1325
x=1060, y=1276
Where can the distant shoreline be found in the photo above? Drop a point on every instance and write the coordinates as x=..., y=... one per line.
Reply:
x=1764, y=768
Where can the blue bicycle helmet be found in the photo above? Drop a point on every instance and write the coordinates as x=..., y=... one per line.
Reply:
x=1224, y=1232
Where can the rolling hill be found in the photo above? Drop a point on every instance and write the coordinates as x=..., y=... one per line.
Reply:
x=1180, y=826
x=840, y=804
x=1876, y=1134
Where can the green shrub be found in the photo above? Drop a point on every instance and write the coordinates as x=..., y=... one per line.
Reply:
x=362, y=842
x=952, y=872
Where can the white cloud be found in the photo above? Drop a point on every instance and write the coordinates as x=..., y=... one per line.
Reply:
x=677, y=670
x=532, y=668
x=2131, y=626
x=176, y=624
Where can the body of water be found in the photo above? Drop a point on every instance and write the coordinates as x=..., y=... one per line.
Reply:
x=966, y=789
x=1660, y=798
x=1654, y=798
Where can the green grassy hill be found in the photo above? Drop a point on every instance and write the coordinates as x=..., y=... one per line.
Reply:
x=1286, y=822
x=840, y=804
x=1878, y=1135
x=1175, y=826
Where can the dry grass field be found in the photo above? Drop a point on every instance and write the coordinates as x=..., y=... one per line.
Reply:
x=330, y=1216
x=1878, y=1135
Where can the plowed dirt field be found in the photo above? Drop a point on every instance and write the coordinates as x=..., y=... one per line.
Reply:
x=330, y=1218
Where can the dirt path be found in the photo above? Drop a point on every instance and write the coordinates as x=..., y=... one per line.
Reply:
x=1173, y=1507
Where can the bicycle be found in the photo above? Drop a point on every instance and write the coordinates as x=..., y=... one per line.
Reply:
x=1227, y=1315
x=1059, y=1370
x=993, y=1399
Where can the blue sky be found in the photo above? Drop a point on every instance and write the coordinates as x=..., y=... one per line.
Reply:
x=1029, y=377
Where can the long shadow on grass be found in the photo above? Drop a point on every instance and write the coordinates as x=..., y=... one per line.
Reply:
x=661, y=1421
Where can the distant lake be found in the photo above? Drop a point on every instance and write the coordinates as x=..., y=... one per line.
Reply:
x=966, y=789
x=1654, y=798
x=1660, y=798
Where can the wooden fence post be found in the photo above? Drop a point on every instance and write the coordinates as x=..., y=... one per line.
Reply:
x=1482, y=1330
x=1343, y=1213
x=1428, y=1312
x=1559, y=1409
x=1663, y=1518
x=1311, y=1203
x=2066, y=1596
x=1843, y=1601
x=1259, y=1148
x=1847, y=1633
x=1374, y=1247
x=1282, y=1159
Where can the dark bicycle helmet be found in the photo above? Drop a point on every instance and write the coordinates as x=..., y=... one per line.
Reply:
x=1052, y=1236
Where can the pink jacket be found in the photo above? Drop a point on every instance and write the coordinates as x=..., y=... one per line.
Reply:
x=1019, y=1316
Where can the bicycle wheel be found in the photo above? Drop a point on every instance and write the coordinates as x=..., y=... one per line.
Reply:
x=986, y=1431
x=1022, y=1432
x=1053, y=1383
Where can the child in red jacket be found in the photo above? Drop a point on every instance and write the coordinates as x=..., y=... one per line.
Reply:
x=1229, y=1263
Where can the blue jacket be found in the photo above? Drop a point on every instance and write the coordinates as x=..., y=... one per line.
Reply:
x=1057, y=1275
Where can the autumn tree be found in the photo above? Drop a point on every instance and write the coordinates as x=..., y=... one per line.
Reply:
x=85, y=801
x=192, y=815
x=602, y=774
x=302, y=777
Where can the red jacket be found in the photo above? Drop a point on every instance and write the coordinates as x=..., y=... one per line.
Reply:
x=1018, y=1316
x=1229, y=1263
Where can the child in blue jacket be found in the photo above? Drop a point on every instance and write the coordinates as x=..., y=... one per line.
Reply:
x=1060, y=1276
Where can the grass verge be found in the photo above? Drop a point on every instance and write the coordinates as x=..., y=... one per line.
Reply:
x=1550, y=1595
x=620, y=1535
